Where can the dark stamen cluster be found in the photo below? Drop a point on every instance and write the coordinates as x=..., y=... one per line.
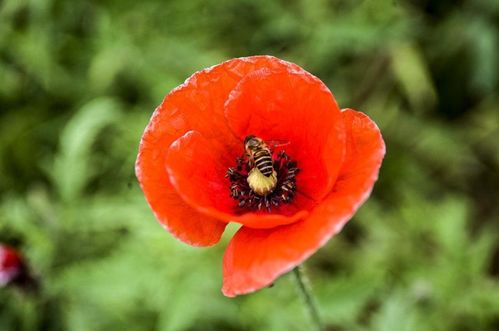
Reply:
x=284, y=191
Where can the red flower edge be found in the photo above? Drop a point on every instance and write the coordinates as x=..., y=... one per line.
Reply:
x=196, y=134
x=11, y=265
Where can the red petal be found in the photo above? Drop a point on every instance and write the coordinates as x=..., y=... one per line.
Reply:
x=255, y=258
x=9, y=258
x=10, y=264
x=172, y=212
x=294, y=106
x=195, y=105
x=197, y=167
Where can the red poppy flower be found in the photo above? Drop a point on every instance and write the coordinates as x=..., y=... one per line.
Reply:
x=196, y=165
x=10, y=265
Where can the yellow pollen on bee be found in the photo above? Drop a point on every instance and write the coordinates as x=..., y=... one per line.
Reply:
x=261, y=184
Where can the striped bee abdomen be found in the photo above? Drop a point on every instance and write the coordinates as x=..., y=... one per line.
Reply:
x=263, y=161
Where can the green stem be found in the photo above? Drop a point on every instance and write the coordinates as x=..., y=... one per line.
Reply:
x=303, y=285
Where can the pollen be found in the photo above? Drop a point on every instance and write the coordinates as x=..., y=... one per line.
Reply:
x=253, y=191
x=261, y=184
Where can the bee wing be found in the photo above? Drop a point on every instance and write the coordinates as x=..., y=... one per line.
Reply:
x=277, y=146
x=273, y=144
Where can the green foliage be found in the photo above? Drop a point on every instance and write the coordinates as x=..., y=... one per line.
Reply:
x=79, y=80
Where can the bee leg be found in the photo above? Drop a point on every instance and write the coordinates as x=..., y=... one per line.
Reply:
x=240, y=163
x=283, y=155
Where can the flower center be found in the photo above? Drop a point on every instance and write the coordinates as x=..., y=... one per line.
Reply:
x=261, y=180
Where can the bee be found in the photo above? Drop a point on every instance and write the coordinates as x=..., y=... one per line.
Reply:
x=262, y=178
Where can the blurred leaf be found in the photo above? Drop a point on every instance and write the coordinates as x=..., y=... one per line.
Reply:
x=73, y=167
x=412, y=74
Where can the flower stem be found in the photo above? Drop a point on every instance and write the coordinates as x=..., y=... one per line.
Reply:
x=304, y=287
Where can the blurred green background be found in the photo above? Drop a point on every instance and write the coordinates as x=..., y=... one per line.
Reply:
x=80, y=79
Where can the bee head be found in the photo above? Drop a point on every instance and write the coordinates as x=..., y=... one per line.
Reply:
x=252, y=142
